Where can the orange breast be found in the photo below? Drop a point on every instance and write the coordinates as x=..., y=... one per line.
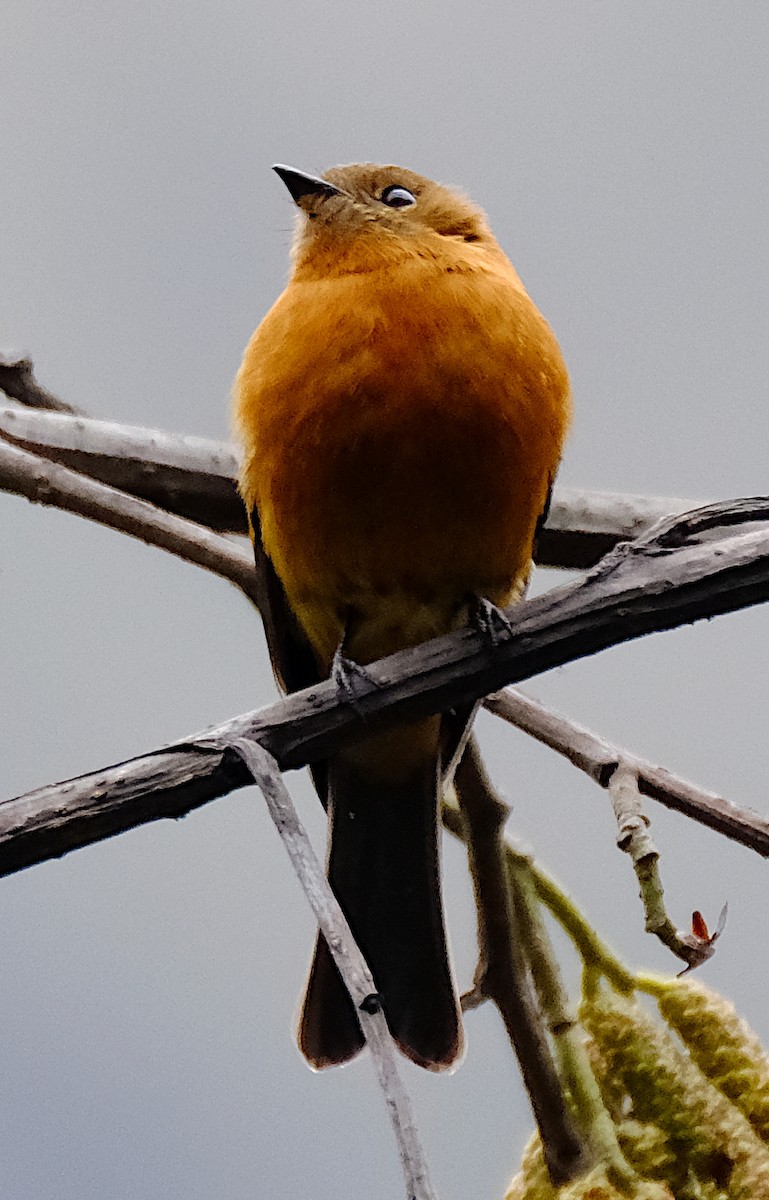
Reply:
x=402, y=427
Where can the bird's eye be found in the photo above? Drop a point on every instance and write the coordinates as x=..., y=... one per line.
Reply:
x=397, y=196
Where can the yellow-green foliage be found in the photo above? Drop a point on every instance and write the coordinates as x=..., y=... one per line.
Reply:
x=533, y=1183
x=691, y=1115
x=711, y=1139
x=723, y=1046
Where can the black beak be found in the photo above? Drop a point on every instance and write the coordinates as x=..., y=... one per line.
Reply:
x=300, y=184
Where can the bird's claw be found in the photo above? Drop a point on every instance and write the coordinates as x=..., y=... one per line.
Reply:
x=490, y=622
x=348, y=676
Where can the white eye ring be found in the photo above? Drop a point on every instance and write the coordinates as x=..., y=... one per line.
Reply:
x=397, y=196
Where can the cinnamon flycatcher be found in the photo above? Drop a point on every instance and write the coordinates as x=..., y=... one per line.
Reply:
x=402, y=409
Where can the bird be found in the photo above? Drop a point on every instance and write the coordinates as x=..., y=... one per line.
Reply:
x=402, y=410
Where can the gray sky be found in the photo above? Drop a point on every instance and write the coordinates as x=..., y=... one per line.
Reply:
x=622, y=153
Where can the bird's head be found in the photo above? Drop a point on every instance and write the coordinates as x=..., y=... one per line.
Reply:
x=369, y=212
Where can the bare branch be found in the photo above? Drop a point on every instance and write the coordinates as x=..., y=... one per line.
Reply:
x=50, y=483
x=351, y=964
x=18, y=381
x=195, y=478
x=600, y=759
x=634, y=838
x=588, y=1108
x=584, y=525
x=503, y=970
x=192, y=477
x=631, y=593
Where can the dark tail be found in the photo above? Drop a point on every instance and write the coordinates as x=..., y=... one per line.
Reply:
x=384, y=868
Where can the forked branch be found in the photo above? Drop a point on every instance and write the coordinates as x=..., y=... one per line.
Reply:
x=653, y=584
x=351, y=964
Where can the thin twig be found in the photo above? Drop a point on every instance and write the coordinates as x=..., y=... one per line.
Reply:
x=574, y=1065
x=634, y=838
x=502, y=973
x=600, y=758
x=352, y=966
x=620, y=600
x=693, y=947
x=625, y=775
x=190, y=476
x=50, y=483
x=17, y=380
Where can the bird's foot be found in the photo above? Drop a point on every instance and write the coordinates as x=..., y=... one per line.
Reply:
x=490, y=622
x=348, y=676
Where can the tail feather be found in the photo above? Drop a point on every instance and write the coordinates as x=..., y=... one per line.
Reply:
x=384, y=868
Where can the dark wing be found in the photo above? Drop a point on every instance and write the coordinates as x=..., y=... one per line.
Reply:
x=291, y=655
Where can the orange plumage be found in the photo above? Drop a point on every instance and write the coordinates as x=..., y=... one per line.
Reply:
x=402, y=409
